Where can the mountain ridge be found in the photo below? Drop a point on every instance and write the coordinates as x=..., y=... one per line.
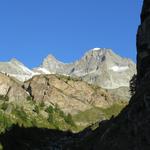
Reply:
x=94, y=66
x=98, y=66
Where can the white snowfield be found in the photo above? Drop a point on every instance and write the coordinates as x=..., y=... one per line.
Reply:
x=96, y=49
x=44, y=70
x=21, y=77
x=119, y=68
x=25, y=69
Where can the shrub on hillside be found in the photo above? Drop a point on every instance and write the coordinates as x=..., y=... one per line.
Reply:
x=1, y=147
x=69, y=120
x=21, y=114
x=49, y=109
x=37, y=109
x=4, y=106
x=50, y=118
x=4, y=97
x=29, y=98
x=42, y=104
x=5, y=122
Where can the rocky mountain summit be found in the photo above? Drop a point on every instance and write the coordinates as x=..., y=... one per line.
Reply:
x=98, y=66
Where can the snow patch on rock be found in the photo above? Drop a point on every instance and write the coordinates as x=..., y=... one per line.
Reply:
x=96, y=49
x=44, y=70
x=119, y=68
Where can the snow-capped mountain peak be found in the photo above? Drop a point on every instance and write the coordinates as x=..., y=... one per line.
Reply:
x=98, y=66
x=16, y=69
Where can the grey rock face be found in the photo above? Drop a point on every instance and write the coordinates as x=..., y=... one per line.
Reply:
x=12, y=89
x=51, y=65
x=120, y=94
x=101, y=67
x=71, y=95
x=106, y=69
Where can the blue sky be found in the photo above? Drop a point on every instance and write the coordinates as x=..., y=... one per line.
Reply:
x=32, y=29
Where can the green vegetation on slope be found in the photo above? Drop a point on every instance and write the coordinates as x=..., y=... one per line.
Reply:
x=95, y=114
x=1, y=147
x=34, y=114
x=37, y=114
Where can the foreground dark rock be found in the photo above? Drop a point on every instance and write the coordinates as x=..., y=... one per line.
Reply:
x=143, y=42
x=20, y=138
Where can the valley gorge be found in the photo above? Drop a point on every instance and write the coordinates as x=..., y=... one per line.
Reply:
x=128, y=130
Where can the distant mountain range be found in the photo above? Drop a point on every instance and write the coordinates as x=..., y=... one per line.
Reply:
x=98, y=66
x=91, y=89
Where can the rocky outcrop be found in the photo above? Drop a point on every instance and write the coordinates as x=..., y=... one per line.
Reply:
x=70, y=94
x=12, y=90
